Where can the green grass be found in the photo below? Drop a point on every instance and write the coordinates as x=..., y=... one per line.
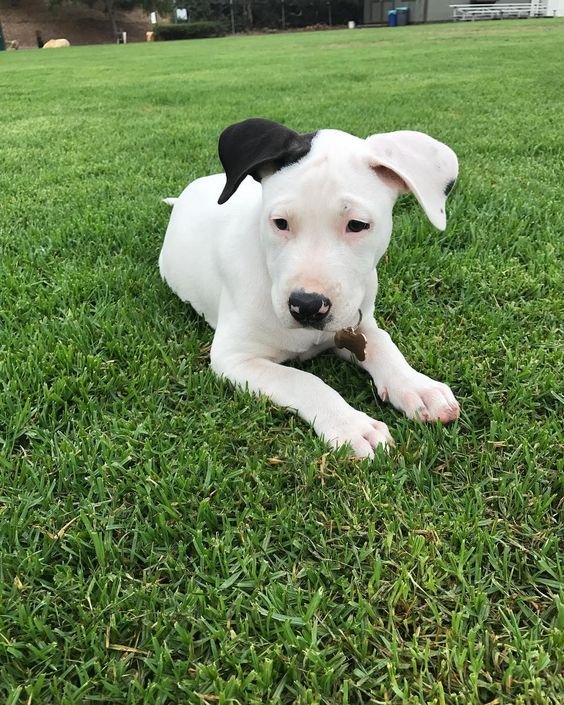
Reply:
x=167, y=539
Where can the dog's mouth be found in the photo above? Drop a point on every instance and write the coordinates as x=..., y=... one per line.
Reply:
x=321, y=326
x=325, y=324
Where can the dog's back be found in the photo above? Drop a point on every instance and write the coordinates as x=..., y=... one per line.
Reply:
x=196, y=266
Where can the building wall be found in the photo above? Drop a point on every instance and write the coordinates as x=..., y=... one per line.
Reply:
x=376, y=11
x=439, y=10
x=555, y=8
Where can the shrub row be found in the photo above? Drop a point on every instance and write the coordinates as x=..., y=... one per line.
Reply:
x=189, y=30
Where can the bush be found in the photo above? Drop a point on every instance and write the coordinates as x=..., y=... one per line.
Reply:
x=189, y=30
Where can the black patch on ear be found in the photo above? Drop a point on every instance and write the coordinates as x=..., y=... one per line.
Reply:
x=247, y=147
x=449, y=186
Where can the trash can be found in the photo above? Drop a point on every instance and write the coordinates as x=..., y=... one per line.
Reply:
x=402, y=14
x=2, y=42
x=392, y=19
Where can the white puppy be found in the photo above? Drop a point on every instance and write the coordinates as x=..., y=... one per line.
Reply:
x=283, y=265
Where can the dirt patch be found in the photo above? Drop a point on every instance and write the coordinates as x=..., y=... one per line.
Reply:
x=80, y=24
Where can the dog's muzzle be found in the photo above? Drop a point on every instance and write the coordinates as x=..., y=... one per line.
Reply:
x=309, y=309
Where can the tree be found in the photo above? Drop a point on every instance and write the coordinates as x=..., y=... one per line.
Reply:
x=112, y=7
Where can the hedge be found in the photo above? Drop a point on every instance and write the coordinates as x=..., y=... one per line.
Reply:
x=189, y=30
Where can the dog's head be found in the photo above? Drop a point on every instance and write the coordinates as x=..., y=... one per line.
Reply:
x=327, y=209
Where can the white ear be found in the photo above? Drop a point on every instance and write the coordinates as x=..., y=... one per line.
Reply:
x=429, y=168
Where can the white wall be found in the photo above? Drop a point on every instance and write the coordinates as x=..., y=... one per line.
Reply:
x=555, y=8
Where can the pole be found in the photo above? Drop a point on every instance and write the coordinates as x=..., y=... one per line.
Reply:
x=425, y=10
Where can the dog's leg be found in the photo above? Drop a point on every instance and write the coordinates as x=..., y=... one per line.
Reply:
x=317, y=403
x=418, y=396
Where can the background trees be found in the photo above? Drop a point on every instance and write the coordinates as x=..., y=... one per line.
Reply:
x=241, y=15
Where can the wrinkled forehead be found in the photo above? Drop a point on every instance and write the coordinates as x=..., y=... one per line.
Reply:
x=337, y=163
x=335, y=151
x=337, y=143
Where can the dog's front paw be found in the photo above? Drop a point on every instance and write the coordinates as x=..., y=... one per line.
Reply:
x=422, y=398
x=358, y=431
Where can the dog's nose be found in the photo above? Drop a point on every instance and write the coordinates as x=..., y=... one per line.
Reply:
x=309, y=309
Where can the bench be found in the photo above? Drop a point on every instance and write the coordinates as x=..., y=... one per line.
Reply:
x=513, y=10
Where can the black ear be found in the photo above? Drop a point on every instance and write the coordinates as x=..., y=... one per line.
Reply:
x=256, y=147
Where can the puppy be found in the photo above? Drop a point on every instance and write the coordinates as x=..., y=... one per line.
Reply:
x=279, y=255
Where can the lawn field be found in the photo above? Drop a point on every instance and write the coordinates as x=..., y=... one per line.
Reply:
x=166, y=539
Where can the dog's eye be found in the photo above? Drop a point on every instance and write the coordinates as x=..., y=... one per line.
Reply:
x=281, y=223
x=357, y=226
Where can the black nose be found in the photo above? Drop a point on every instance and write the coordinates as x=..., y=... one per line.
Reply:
x=308, y=309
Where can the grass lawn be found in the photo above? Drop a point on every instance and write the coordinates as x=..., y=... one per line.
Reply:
x=167, y=539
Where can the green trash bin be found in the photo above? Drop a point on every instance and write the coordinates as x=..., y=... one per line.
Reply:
x=2, y=42
x=402, y=15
